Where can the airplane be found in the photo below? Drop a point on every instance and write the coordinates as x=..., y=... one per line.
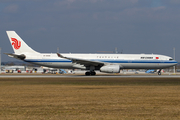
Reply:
x=107, y=63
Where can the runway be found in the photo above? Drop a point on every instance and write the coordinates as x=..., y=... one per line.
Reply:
x=83, y=76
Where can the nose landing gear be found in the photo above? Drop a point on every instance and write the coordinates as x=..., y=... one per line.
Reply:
x=159, y=72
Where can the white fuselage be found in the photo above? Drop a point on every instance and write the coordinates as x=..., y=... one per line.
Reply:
x=125, y=61
x=109, y=63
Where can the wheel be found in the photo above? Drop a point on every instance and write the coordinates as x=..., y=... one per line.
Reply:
x=87, y=73
x=159, y=73
x=93, y=73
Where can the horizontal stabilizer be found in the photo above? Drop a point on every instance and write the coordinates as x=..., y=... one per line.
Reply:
x=21, y=57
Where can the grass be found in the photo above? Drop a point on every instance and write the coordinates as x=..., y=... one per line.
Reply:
x=90, y=98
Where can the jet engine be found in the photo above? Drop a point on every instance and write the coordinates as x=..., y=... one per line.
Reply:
x=110, y=69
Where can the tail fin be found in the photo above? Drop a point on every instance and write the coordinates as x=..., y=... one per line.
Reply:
x=18, y=45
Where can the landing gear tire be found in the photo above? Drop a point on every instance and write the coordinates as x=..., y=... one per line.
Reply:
x=90, y=73
x=87, y=73
x=93, y=73
x=159, y=73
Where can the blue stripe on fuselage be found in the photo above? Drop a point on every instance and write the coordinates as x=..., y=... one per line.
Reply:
x=139, y=61
x=39, y=60
x=108, y=61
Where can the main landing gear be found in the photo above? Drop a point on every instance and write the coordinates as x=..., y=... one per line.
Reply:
x=90, y=73
x=159, y=72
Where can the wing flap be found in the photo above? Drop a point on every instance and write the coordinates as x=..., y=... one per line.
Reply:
x=82, y=61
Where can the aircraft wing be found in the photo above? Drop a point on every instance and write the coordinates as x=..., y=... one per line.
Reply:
x=21, y=57
x=82, y=61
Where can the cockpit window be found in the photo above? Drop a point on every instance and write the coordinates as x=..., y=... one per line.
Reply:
x=170, y=59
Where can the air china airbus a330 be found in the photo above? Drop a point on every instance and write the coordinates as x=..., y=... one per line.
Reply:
x=108, y=63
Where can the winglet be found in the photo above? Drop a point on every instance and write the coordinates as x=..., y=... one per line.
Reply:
x=59, y=55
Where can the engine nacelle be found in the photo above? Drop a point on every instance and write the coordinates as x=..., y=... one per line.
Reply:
x=110, y=69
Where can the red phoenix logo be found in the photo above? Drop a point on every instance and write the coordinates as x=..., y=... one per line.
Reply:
x=16, y=43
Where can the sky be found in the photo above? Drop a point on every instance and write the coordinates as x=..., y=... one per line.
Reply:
x=89, y=26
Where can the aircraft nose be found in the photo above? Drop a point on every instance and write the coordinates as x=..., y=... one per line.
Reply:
x=175, y=62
